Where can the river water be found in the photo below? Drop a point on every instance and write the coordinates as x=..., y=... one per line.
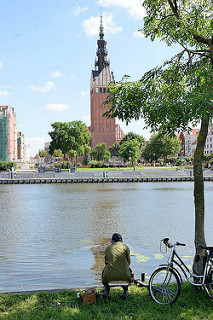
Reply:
x=53, y=236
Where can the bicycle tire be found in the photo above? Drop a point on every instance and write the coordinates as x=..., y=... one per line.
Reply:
x=164, y=286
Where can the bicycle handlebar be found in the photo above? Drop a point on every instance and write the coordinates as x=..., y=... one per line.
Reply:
x=169, y=245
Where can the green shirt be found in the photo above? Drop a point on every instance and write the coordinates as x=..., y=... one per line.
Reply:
x=117, y=261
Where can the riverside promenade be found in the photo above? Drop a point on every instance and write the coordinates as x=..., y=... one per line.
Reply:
x=105, y=176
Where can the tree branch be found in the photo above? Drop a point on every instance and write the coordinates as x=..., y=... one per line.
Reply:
x=174, y=8
x=201, y=39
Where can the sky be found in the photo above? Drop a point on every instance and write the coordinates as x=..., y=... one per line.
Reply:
x=48, y=49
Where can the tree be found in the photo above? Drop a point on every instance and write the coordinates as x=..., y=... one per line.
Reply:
x=162, y=146
x=115, y=149
x=178, y=94
x=130, y=149
x=132, y=136
x=86, y=159
x=68, y=136
x=57, y=154
x=101, y=153
x=42, y=153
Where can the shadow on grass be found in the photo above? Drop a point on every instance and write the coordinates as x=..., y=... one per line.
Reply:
x=192, y=304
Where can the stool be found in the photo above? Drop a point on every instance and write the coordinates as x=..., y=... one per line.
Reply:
x=111, y=284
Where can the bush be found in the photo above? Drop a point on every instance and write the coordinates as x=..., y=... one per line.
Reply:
x=211, y=162
x=66, y=165
x=7, y=166
x=79, y=165
x=188, y=166
x=96, y=164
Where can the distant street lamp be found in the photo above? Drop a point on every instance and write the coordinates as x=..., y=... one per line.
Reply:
x=130, y=157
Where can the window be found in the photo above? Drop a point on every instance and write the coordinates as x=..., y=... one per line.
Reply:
x=104, y=90
x=100, y=90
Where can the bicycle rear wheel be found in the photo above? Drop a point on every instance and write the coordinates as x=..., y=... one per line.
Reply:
x=209, y=282
x=164, y=286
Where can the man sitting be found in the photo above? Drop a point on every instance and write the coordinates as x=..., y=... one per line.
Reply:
x=117, y=261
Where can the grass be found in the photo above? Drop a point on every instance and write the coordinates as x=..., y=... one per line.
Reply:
x=192, y=304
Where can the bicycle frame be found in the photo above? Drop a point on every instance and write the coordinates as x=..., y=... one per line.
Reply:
x=185, y=270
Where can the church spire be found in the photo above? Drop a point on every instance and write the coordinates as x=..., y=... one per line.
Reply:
x=101, y=32
x=101, y=53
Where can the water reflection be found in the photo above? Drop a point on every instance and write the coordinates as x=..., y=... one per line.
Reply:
x=54, y=236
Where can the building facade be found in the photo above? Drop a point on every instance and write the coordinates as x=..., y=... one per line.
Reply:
x=103, y=130
x=12, y=145
x=3, y=134
x=189, y=142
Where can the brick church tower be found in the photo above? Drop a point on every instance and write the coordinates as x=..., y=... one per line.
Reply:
x=102, y=129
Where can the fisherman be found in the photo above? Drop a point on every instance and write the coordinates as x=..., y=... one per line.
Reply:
x=117, y=261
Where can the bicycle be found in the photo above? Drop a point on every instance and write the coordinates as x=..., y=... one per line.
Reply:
x=165, y=282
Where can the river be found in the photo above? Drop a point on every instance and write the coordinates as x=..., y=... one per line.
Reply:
x=53, y=236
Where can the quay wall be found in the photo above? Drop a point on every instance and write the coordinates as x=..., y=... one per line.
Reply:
x=166, y=175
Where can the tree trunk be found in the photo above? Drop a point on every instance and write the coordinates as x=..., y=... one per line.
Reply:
x=199, y=259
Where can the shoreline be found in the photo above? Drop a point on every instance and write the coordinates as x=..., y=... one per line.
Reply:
x=103, y=176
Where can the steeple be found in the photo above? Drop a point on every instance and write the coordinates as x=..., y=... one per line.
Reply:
x=101, y=32
x=101, y=53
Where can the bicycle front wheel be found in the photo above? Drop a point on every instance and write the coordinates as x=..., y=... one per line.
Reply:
x=164, y=286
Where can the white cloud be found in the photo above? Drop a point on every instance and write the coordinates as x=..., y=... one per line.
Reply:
x=36, y=144
x=78, y=10
x=57, y=74
x=86, y=119
x=48, y=86
x=138, y=34
x=4, y=93
x=57, y=107
x=133, y=6
x=91, y=25
x=0, y=65
x=84, y=93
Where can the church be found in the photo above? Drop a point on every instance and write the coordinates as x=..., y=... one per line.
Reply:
x=103, y=130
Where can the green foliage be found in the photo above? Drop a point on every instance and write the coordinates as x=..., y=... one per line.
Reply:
x=207, y=157
x=96, y=164
x=178, y=94
x=68, y=136
x=86, y=159
x=7, y=166
x=57, y=154
x=130, y=149
x=42, y=153
x=101, y=153
x=115, y=149
x=131, y=136
x=66, y=165
x=211, y=162
x=161, y=146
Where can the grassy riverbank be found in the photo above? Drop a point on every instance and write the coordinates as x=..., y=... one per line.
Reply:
x=192, y=304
